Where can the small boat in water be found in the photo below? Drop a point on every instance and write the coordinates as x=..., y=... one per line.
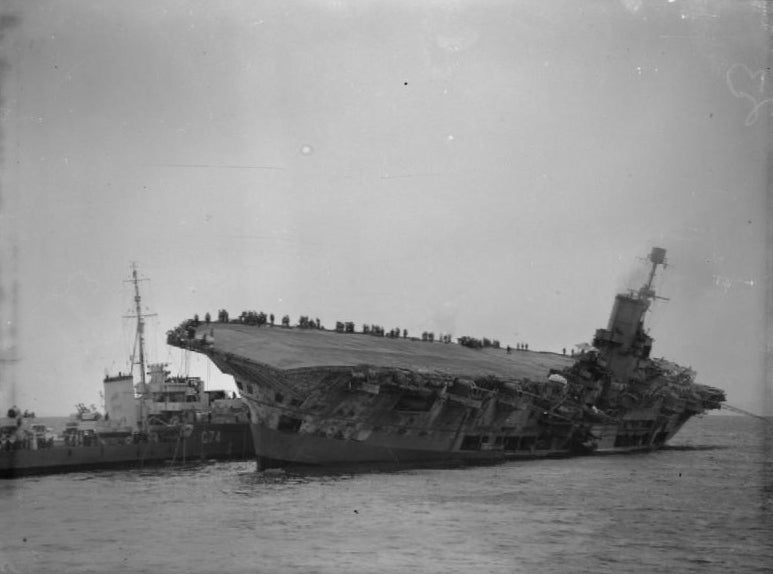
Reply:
x=162, y=418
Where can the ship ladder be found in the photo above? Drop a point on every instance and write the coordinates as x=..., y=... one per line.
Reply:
x=176, y=446
x=180, y=439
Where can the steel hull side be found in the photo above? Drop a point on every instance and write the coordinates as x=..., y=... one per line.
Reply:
x=326, y=417
x=318, y=450
x=211, y=441
x=277, y=448
x=307, y=449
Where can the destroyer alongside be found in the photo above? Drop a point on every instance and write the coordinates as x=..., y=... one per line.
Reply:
x=324, y=398
x=160, y=418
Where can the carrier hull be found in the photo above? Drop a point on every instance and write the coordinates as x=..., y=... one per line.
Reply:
x=277, y=449
x=346, y=415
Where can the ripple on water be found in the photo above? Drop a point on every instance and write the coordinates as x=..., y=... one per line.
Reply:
x=684, y=509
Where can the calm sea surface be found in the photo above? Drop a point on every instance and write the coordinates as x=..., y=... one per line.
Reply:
x=703, y=505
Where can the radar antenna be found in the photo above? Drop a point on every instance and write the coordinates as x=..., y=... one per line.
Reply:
x=657, y=257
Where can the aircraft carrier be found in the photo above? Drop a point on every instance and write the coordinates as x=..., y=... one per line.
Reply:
x=321, y=397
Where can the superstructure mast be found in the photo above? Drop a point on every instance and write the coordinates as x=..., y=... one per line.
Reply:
x=656, y=257
x=139, y=340
x=625, y=341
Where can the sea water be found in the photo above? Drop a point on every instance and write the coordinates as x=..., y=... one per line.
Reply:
x=705, y=504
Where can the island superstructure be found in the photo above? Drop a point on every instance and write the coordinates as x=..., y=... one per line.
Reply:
x=325, y=398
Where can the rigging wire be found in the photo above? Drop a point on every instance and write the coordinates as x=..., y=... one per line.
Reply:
x=740, y=411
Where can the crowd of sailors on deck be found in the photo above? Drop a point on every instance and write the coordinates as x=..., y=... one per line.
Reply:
x=15, y=413
x=187, y=330
x=14, y=440
x=19, y=433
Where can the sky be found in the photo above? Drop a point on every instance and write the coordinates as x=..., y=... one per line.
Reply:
x=484, y=168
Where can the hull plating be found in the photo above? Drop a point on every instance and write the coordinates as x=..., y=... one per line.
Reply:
x=214, y=441
x=405, y=418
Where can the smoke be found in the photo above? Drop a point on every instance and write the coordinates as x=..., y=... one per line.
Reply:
x=634, y=278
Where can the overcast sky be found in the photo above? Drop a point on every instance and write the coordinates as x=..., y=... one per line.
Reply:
x=475, y=168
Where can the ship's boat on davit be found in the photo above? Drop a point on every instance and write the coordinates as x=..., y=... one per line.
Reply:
x=337, y=397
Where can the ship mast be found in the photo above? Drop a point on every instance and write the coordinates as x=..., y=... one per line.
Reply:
x=139, y=340
x=657, y=257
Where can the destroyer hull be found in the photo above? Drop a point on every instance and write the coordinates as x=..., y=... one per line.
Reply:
x=225, y=441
